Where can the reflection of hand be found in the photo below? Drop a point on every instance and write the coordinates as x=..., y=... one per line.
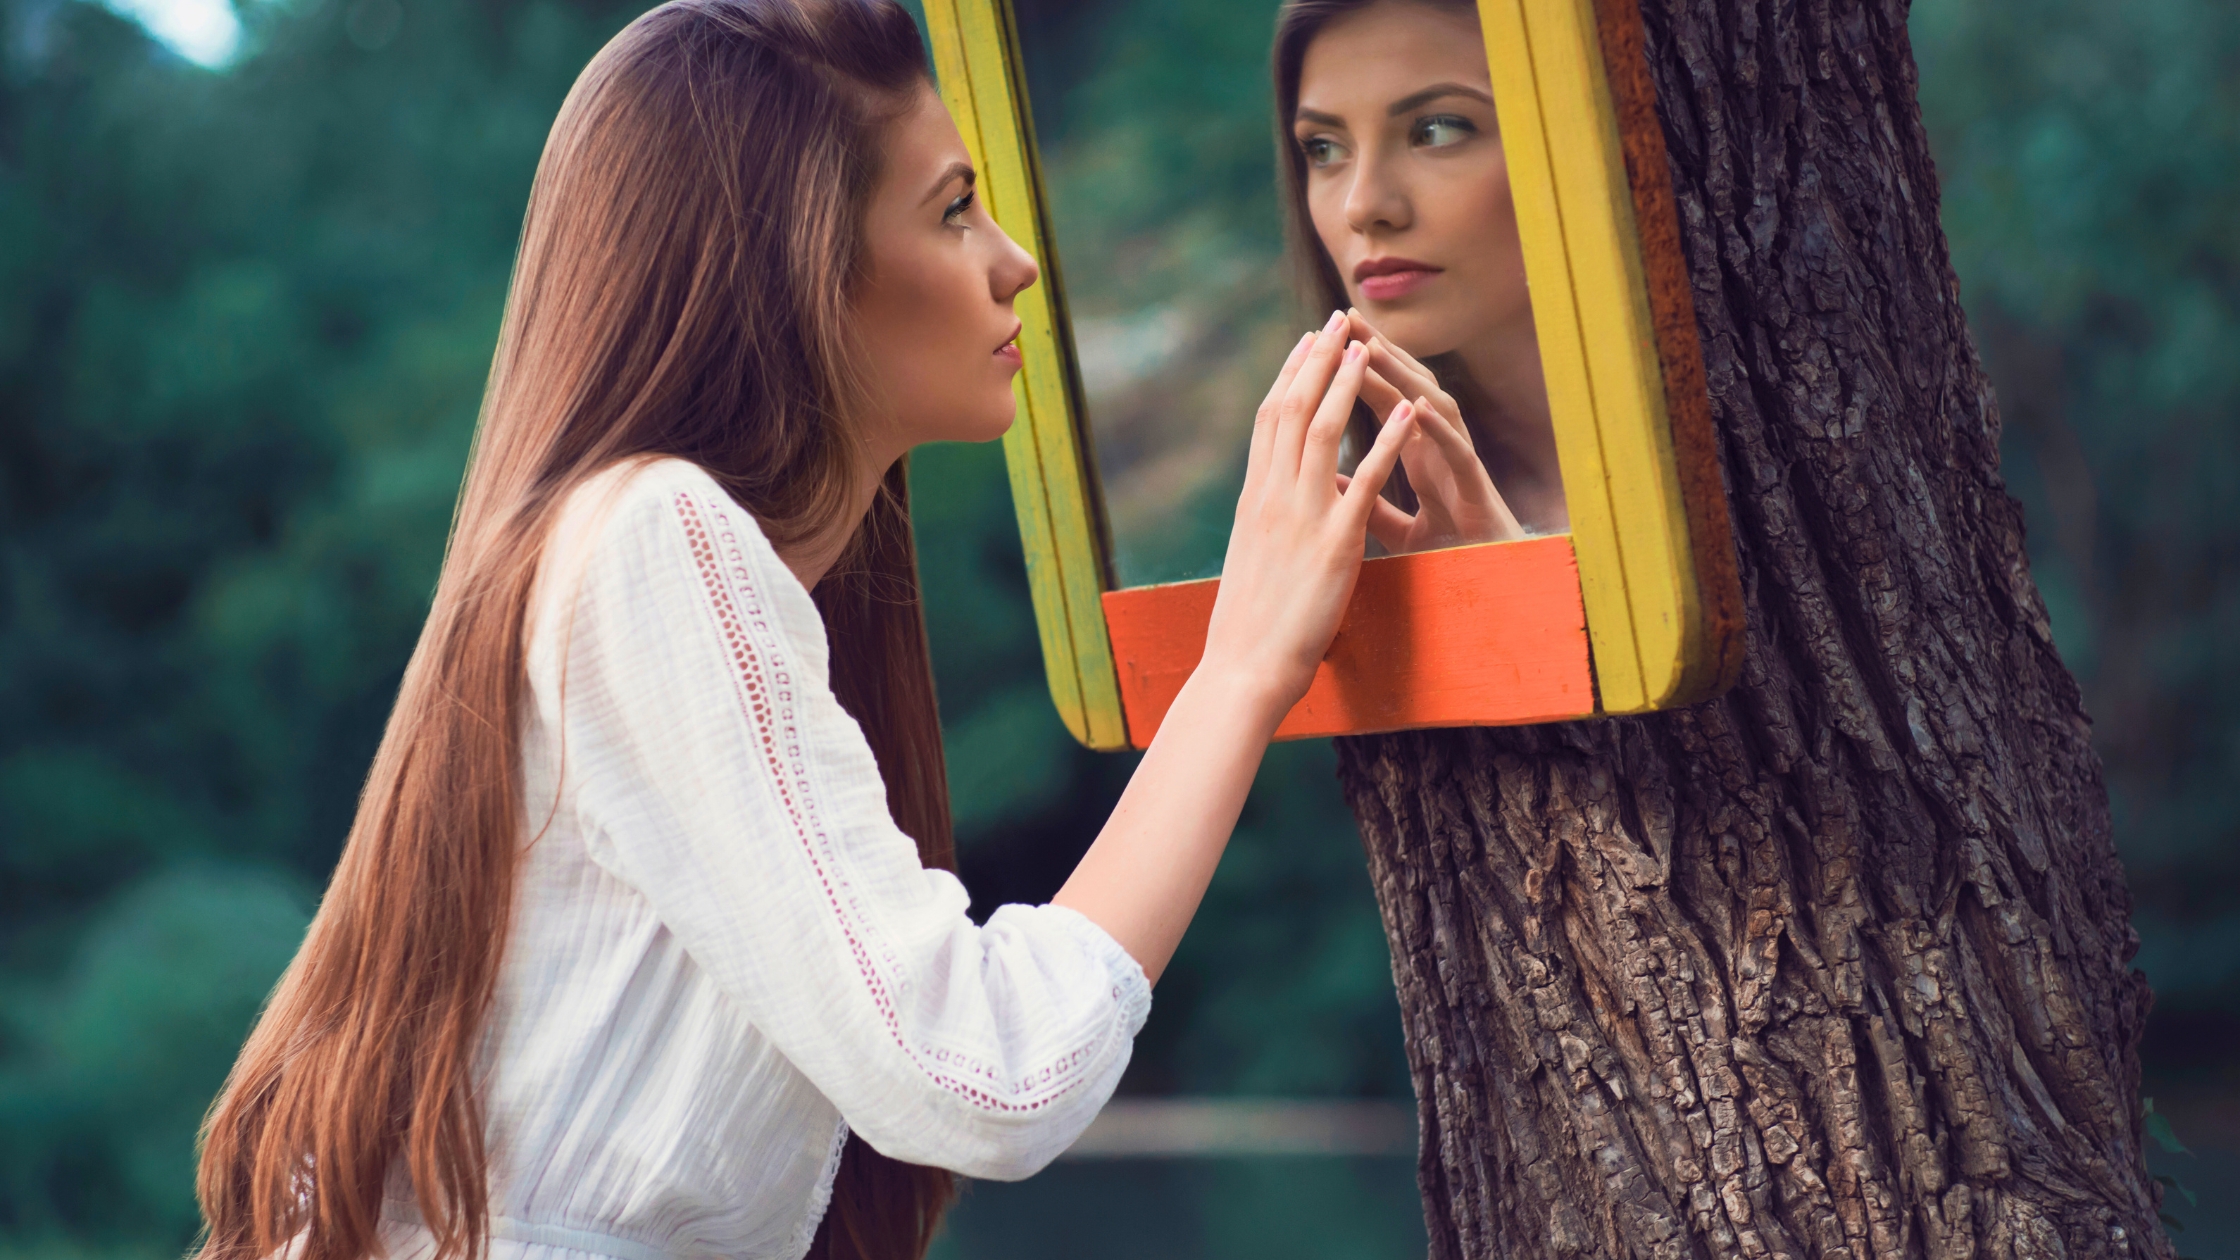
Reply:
x=1456, y=499
x=1296, y=547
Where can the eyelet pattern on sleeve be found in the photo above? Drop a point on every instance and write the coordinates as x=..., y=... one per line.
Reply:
x=724, y=955
x=767, y=698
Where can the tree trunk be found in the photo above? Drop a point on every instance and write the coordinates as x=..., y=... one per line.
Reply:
x=1837, y=965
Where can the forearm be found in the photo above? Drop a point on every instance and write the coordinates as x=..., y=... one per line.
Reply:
x=1143, y=878
x=1285, y=581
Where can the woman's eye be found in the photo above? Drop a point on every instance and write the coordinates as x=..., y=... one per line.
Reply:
x=1321, y=151
x=1441, y=130
x=958, y=207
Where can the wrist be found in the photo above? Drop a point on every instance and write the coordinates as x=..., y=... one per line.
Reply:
x=1241, y=688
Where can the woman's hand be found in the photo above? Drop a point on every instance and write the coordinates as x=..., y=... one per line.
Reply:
x=1296, y=547
x=1456, y=501
x=1293, y=556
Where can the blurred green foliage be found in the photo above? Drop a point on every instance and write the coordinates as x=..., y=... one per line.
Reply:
x=2090, y=163
x=1170, y=241
x=244, y=322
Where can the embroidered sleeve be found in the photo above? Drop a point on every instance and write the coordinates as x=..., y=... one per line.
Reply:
x=727, y=785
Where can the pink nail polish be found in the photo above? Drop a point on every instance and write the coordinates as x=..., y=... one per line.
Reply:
x=1353, y=351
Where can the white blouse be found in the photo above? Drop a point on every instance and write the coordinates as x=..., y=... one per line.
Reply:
x=724, y=953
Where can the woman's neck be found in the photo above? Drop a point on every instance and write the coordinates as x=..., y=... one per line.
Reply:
x=813, y=556
x=1506, y=391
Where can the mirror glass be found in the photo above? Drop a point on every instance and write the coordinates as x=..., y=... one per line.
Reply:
x=1197, y=238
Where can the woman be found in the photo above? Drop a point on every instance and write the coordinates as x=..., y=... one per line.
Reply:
x=1397, y=192
x=643, y=913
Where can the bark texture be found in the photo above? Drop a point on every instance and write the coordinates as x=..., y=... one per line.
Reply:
x=1838, y=965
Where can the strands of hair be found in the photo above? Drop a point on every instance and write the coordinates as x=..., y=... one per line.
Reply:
x=681, y=290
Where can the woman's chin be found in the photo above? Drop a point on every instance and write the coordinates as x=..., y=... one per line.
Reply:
x=1425, y=348
x=993, y=423
x=990, y=420
x=1422, y=333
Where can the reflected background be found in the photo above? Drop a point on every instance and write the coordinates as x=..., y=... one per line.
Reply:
x=1170, y=240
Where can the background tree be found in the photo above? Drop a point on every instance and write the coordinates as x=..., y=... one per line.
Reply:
x=1837, y=965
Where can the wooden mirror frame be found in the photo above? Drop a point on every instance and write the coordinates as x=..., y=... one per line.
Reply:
x=1644, y=586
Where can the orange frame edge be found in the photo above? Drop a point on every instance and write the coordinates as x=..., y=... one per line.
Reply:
x=1490, y=635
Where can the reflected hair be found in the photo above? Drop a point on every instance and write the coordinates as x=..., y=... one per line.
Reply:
x=681, y=289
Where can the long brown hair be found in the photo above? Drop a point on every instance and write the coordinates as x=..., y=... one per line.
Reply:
x=681, y=289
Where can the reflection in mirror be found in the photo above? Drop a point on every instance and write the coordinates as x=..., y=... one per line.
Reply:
x=1169, y=206
x=1397, y=192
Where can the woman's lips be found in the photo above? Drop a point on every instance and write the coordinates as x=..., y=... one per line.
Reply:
x=1009, y=350
x=1388, y=279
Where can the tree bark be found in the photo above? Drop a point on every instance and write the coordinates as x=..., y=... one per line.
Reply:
x=1837, y=965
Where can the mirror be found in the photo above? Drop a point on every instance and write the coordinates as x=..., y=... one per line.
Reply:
x=1198, y=237
x=1482, y=182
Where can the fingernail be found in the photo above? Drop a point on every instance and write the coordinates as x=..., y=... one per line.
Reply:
x=1337, y=321
x=1353, y=351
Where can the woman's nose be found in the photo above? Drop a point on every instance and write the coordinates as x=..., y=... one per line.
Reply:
x=1015, y=271
x=1375, y=199
x=1029, y=271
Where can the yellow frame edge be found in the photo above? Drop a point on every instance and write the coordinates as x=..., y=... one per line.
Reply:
x=1060, y=524
x=1582, y=251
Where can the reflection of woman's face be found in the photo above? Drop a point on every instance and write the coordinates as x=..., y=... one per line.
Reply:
x=1406, y=180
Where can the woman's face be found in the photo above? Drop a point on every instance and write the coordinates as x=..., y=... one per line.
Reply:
x=1406, y=180
x=933, y=307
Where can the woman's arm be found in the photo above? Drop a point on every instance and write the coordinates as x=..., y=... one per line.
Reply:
x=678, y=671
x=1293, y=557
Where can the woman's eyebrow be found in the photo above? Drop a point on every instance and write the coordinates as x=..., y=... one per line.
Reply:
x=1434, y=92
x=1318, y=118
x=953, y=171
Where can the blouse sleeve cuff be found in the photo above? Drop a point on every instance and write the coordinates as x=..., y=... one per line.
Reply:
x=1131, y=989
